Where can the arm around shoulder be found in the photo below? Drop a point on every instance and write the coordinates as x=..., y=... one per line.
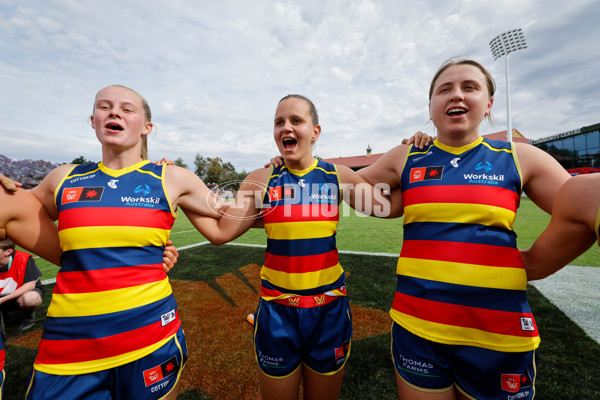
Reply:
x=24, y=220
x=236, y=217
x=367, y=198
x=388, y=169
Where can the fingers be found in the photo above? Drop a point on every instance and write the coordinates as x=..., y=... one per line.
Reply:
x=164, y=161
x=419, y=139
x=276, y=161
x=9, y=184
x=170, y=256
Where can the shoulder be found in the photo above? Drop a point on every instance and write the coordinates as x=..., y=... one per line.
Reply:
x=347, y=174
x=535, y=161
x=50, y=183
x=260, y=175
x=528, y=153
x=176, y=172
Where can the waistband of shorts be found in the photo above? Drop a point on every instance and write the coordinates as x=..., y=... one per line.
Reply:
x=315, y=300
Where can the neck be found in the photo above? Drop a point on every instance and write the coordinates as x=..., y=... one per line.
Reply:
x=457, y=140
x=120, y=159
x=300, y=165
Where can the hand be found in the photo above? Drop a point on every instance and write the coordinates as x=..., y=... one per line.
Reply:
x=419, y=139
x=170, y=256
x=276, y=161
x=9, y=184
x=164, y=161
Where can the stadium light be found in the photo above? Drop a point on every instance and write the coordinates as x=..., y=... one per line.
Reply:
x=503, y=45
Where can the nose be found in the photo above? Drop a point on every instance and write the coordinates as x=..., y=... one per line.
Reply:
x=115, y=112
x=287, y=126
x=457, y=94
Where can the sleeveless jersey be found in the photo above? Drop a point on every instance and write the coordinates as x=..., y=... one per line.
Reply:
x=112, y=303
x=461, y=279
x=300, y=214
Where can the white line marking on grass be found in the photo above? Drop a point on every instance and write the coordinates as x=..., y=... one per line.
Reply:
x=360, y=253
x=191, y=230
x=189, y=246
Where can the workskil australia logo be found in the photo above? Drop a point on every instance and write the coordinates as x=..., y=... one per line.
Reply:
x=142, y=200
x=482, y=175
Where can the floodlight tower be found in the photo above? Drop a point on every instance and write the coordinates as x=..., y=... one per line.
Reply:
x=503, y=45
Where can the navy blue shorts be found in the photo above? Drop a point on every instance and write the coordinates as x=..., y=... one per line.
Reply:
x=318, y=337
x=480, y=373
x=150, y=377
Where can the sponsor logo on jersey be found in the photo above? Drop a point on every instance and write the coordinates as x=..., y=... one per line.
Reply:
x=289, y=191
x=275, y=193
x=485, y=177
x=414, y=160
x=527, y=324
x=112, y=183
x=71, y=195
x=486, y=166
x=514, y=382
x=426, y=173
x=167, y=318
x=454, y=162
x=282, y=192
x=141, y=201
x=82, y=178
x=143, y=189
x=326, y=191
x=160, y=372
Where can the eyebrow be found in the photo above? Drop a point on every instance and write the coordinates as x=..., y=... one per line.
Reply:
x=126, y=103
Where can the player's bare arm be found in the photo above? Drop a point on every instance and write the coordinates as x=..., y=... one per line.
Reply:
x=571, y=230
x=239, y=216
x=542, y=175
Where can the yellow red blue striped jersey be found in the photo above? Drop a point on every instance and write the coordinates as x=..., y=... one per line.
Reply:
x=461, y=279
x=112, y=303
x=301, y=213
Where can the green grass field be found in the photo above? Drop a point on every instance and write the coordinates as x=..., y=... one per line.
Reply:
x=568, y=358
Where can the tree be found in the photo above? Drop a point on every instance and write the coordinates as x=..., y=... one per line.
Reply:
x=215, y=170
x=179, y=162
x=81, y=160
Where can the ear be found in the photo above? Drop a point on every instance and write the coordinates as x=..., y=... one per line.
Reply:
x=489, y=106
x=92, y=122
x=10, y=252
x=147, y=128
x=316, y=133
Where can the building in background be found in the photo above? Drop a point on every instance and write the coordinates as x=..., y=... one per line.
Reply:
x=577, y=150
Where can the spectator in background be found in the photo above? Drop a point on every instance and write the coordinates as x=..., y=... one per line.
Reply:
x=20, y=285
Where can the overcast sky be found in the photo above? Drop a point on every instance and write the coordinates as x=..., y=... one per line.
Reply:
x=213, y=71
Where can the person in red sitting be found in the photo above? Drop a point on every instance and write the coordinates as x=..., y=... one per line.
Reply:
x=20, y=286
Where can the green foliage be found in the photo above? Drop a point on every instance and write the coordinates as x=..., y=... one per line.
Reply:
x=179, y=162
x=81, y=160
x=216, y=171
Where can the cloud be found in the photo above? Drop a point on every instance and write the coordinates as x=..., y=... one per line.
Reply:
x=214, y=71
